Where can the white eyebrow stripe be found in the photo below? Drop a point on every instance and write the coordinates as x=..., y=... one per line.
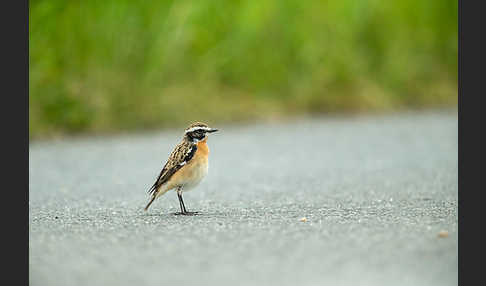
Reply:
x=198, y=127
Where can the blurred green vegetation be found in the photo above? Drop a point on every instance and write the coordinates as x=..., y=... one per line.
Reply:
x=118, y=65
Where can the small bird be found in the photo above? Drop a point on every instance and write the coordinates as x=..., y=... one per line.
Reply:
x=186, y=167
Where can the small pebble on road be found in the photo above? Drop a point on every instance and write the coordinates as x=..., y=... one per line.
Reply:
x=443, y=234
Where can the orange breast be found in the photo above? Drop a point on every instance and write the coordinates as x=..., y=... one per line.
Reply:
x=202, y=147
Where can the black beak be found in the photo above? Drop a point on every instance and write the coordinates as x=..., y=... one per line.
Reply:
x=212, y=130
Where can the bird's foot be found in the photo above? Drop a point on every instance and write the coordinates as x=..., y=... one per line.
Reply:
x=186, y=213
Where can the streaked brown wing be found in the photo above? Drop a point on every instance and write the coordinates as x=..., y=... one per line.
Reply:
x=182, y=154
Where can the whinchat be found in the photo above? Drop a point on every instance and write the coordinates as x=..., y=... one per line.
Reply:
x=186, y=167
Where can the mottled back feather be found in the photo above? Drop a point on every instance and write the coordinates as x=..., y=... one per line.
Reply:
x=181, y=155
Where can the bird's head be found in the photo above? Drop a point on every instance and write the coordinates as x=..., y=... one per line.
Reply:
x=198, y=131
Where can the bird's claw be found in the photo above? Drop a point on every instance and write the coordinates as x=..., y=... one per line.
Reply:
x=186, y=213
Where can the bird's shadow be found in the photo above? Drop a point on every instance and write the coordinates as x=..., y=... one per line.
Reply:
x=175, y=214
x=178, y=214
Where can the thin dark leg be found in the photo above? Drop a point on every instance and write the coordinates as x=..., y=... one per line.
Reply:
x=181, y=203
x=182, y=206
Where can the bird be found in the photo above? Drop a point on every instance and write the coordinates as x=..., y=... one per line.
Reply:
x=186, y=166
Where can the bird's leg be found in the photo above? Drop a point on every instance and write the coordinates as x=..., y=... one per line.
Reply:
x=181, y=204
x=179, y=194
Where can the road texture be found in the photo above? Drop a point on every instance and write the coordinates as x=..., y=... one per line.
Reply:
x=376, y=192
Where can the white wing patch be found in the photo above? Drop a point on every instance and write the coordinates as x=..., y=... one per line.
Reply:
x=185, y=155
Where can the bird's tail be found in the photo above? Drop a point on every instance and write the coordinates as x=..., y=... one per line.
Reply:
x=151, y=201
x=155, y=194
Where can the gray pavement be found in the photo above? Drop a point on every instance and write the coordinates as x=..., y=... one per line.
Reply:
x=376, y=191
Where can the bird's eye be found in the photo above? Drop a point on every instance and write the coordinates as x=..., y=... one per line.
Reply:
x=198, y=134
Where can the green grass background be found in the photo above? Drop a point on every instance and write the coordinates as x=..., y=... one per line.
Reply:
x=118, y=65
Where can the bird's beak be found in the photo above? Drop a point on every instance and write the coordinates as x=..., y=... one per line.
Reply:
x=212, y=130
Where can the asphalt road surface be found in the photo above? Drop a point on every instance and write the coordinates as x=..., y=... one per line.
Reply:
x=379, y=194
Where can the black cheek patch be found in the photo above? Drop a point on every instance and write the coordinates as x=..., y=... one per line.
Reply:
x=196, y=135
